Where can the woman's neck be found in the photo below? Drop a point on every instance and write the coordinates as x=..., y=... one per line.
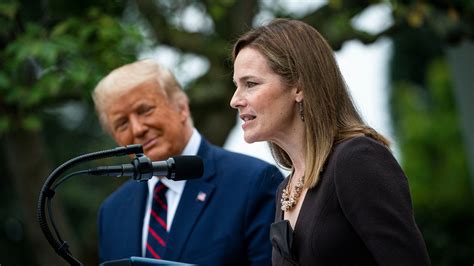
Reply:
x=295, y=146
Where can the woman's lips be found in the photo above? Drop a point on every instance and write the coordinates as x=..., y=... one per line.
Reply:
x=247, y=122
x=247, y=118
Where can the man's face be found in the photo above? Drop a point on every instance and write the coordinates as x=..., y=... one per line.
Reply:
x=144, y=115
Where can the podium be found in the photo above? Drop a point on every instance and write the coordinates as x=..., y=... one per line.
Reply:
x=140, y=261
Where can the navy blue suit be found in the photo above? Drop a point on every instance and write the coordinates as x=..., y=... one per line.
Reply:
x=231, y=227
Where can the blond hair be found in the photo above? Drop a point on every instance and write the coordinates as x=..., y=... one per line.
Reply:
x=130, y=76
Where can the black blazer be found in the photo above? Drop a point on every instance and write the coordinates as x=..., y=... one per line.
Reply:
x=360, y=213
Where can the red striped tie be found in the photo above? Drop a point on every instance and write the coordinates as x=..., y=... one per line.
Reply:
x=157, y=233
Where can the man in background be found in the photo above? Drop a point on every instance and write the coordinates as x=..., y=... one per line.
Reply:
x=222, y=218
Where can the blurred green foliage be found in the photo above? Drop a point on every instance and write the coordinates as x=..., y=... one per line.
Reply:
x=433, y=151
x=48, y=63
x=430, y=139
x=52, y=53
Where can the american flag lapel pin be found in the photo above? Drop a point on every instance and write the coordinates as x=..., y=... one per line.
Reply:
x=201, y=196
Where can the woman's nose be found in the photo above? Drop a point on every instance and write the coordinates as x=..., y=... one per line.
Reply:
x=237, y=100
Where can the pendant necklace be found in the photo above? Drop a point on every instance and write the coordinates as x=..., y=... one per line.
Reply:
x=288, y=199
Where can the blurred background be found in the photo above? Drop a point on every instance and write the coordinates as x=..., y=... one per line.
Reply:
x=409, y=66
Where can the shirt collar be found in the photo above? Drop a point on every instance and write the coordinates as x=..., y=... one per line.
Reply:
x=193, y=144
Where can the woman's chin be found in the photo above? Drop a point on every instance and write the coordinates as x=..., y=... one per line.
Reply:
x=248, y=139
x=251, y=138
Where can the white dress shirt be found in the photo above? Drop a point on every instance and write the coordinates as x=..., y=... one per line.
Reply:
x=173, y=195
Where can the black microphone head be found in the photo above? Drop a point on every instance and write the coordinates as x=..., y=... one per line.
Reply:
x=187, y=167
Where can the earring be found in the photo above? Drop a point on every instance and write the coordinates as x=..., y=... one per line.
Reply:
x=300, y=105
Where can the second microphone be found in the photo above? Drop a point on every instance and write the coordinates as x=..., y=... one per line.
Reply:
x=142, y=168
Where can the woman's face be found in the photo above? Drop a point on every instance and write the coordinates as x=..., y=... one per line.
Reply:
x=266, y=105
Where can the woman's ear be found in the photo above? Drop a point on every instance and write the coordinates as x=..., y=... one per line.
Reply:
x=299, y=95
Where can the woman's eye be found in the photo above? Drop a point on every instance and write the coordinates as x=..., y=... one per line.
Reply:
x=250, y=84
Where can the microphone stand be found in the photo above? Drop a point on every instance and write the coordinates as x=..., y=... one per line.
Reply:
x=46, y=194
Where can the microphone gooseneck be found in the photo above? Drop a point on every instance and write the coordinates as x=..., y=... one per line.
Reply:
x=47, y=192
x=140, y=169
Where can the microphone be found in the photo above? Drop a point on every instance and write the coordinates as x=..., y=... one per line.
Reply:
x=142, y=168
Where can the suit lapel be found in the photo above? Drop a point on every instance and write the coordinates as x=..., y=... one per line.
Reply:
x=196, y=195
x=132, y=218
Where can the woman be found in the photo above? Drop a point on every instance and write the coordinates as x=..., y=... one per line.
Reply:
x=347, y=200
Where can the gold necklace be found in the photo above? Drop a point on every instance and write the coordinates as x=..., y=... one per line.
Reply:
x=289, y=200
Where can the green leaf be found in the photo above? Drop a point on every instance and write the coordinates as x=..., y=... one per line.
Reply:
x=31, y=122
x=4, y=82
x=4, y=123
x=9, y=10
